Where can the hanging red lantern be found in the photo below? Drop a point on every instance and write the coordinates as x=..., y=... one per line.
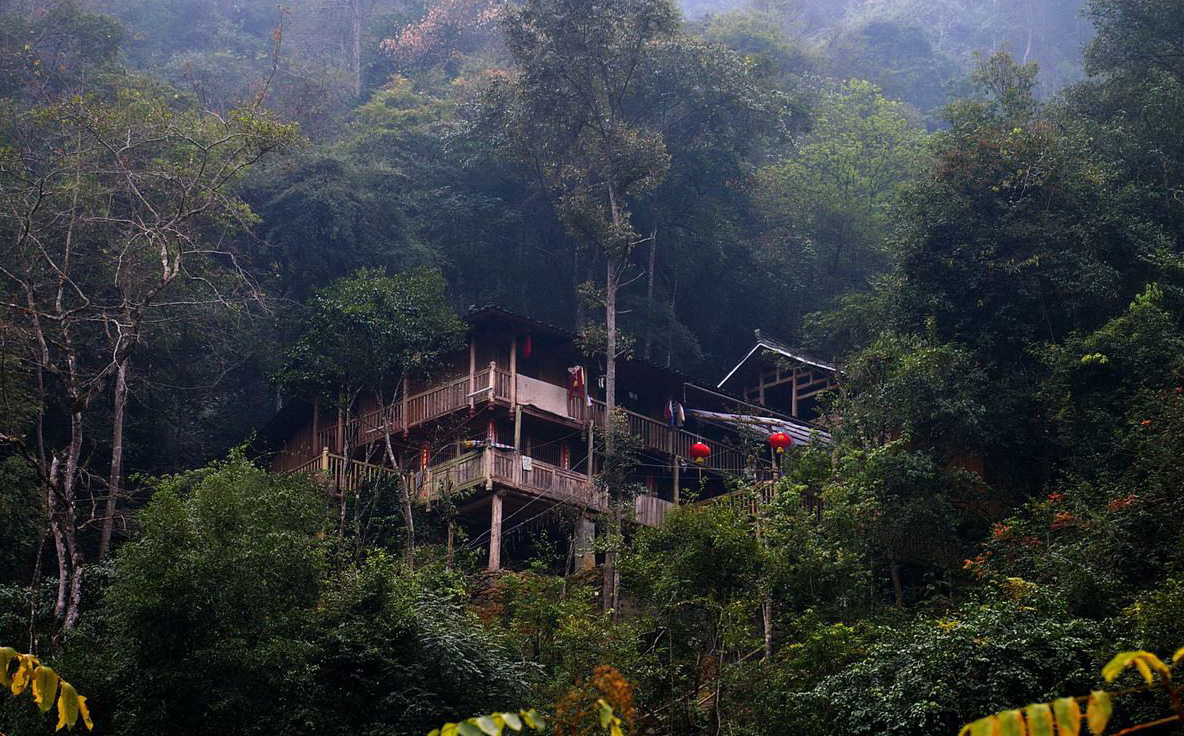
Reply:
x=699, y=452
x=780, y=442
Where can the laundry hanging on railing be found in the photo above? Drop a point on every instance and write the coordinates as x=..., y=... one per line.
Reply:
x=577, y=384
x=675, y=415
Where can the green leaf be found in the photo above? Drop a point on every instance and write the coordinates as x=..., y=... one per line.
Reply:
x=468, y=728
x=8, y=654
x=606, y=713
x=533, y=719
x=1011, y=723
x=434, y=732
x=513, y=721
x=487, y=726
x=1068, y=716
x=449, y=729
x=45, y=687
x=1098, y=710
x=1039, y=719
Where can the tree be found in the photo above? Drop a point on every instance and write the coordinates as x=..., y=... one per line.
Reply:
x=88, y=275
x=564, y=115
x=825, y=208
x=235, y=611
x=365, y=336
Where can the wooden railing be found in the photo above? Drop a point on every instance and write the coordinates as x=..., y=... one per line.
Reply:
x=658, y=436
x=467, y=471
x=344, y=474
x=422, y=407
x=651, y=510
x=750, y=500
x=546, y=480
x=453, y=476
x=494, y=384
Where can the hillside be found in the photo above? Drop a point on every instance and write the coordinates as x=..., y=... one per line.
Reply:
x=591, y=367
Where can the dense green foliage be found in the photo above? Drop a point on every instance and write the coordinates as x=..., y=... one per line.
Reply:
x=207, y=203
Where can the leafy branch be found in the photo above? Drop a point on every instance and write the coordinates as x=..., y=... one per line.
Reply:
x=44, y=684
x=1038, y=719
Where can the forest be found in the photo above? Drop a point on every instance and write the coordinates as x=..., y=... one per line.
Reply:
x=213, y=213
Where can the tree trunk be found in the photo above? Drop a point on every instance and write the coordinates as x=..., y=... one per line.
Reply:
x=115, y=484
x=609, y=593
x=404, y=498
x=767, y=617
x=649, y=295
x=69, y=525
x=356, y=11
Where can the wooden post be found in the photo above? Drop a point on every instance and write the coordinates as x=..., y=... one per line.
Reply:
x=514, y=371
x=517, y=428
x=492, y=380
x=793, y=384
x=472, y=371
x=591, y=448
x=325, y=459
x=340, y=429
x=495, y=531
x=677, y=479
x=316, y=428
x=488, y=462
x=406, y=404
x=585, y=536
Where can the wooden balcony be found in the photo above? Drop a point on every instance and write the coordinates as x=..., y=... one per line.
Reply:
x=486, y=469
x=495, y=385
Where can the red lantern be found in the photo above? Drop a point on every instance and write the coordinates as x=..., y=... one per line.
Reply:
x=699, y=452
x=780, y=442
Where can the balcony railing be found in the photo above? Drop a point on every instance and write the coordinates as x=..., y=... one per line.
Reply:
x=494, y=384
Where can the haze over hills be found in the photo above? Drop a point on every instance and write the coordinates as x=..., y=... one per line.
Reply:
x=916, y=50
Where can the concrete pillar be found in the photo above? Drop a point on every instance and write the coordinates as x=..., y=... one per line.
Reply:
x=495, y=531
x=585, y=536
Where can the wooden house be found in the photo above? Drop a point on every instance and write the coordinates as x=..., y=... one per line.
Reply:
x=505, y=434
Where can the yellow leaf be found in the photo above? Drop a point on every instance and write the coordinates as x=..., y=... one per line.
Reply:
x=1178, y=655
x=1143, y=661
x=85, y=713
x=1068, y=716
x=512, y=720
x=45, y=687
x=615, y=728
x=23, y=674
x=1144, y=670
x=982, y=727
x=1155, y=663
x=67, y=706
x=1011, y=723
x=1039, y=719
x=1115, y=666
x=1097, y=711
